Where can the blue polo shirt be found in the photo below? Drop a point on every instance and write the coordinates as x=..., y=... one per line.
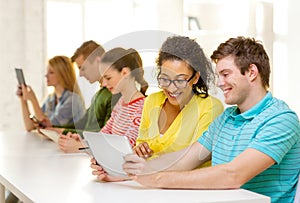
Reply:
x=269, y=127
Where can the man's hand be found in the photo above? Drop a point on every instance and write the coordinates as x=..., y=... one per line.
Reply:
x=135, y=165
x=102, y=175
x=70, y=142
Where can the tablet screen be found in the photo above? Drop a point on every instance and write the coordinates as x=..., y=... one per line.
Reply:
x=20, y=76
x=109, y=151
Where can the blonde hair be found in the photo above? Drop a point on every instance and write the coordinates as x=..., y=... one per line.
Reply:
x=65, y=73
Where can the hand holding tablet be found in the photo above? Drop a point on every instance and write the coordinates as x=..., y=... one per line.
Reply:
x=109, y=151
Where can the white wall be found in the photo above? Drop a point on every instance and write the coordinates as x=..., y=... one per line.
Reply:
x=292, y=67
x=24, y=39
x=22, y=45
x=170, y=15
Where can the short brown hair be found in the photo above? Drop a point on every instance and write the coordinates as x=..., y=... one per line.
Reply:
x=246, y=51
x=88, y=48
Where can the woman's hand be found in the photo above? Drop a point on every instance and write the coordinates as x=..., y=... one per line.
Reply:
x=143, y=150
x=102, y=175
x=44, y=123
x=69, y=142
x=19, y=92
x=27, y=93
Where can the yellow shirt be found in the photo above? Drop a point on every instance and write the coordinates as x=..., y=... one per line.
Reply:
x=187, y=127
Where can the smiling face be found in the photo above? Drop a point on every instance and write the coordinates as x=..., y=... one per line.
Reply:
x=178, y=70
x=87, y=69
x=235, y=86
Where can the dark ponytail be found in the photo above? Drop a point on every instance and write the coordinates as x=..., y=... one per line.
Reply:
x=120, y=58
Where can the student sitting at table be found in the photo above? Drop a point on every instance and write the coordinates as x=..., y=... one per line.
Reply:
x=87, y=57
x=120, y=69
x=177, y=116
x=184, y=105
x=254, y=144
x=64, y=106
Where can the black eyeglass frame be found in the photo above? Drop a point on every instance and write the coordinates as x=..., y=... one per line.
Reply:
x=174, y=81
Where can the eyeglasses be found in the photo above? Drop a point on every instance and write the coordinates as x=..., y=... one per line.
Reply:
x=164, y=82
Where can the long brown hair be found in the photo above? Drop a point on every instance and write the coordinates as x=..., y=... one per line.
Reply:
x=65, y=73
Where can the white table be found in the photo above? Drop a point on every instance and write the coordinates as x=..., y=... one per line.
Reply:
x=35, y=170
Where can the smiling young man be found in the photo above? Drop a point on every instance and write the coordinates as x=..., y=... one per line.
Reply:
x=254, y=144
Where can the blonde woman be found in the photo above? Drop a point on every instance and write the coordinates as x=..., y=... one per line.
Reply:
x=64, y=106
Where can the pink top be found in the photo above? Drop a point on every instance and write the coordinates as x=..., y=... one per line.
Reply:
x=125, y=119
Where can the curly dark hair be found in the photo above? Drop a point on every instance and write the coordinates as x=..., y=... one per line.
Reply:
x=188, y=50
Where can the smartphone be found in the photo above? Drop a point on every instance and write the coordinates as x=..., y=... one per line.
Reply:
x=35, y=120
x=20, y=76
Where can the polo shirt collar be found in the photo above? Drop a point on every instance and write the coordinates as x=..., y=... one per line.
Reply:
x=254, y=111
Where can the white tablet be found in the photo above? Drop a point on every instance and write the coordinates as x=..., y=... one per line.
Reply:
x=109, y=151
x=51, y=134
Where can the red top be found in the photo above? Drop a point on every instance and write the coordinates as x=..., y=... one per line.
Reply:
x=125, y=119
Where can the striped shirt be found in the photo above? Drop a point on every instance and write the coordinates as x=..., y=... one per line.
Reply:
x=269, y=127
x=125, y=119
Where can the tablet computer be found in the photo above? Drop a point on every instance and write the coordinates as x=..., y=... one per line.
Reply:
x=109, y=151
x=51, y=134
x=20, y=76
